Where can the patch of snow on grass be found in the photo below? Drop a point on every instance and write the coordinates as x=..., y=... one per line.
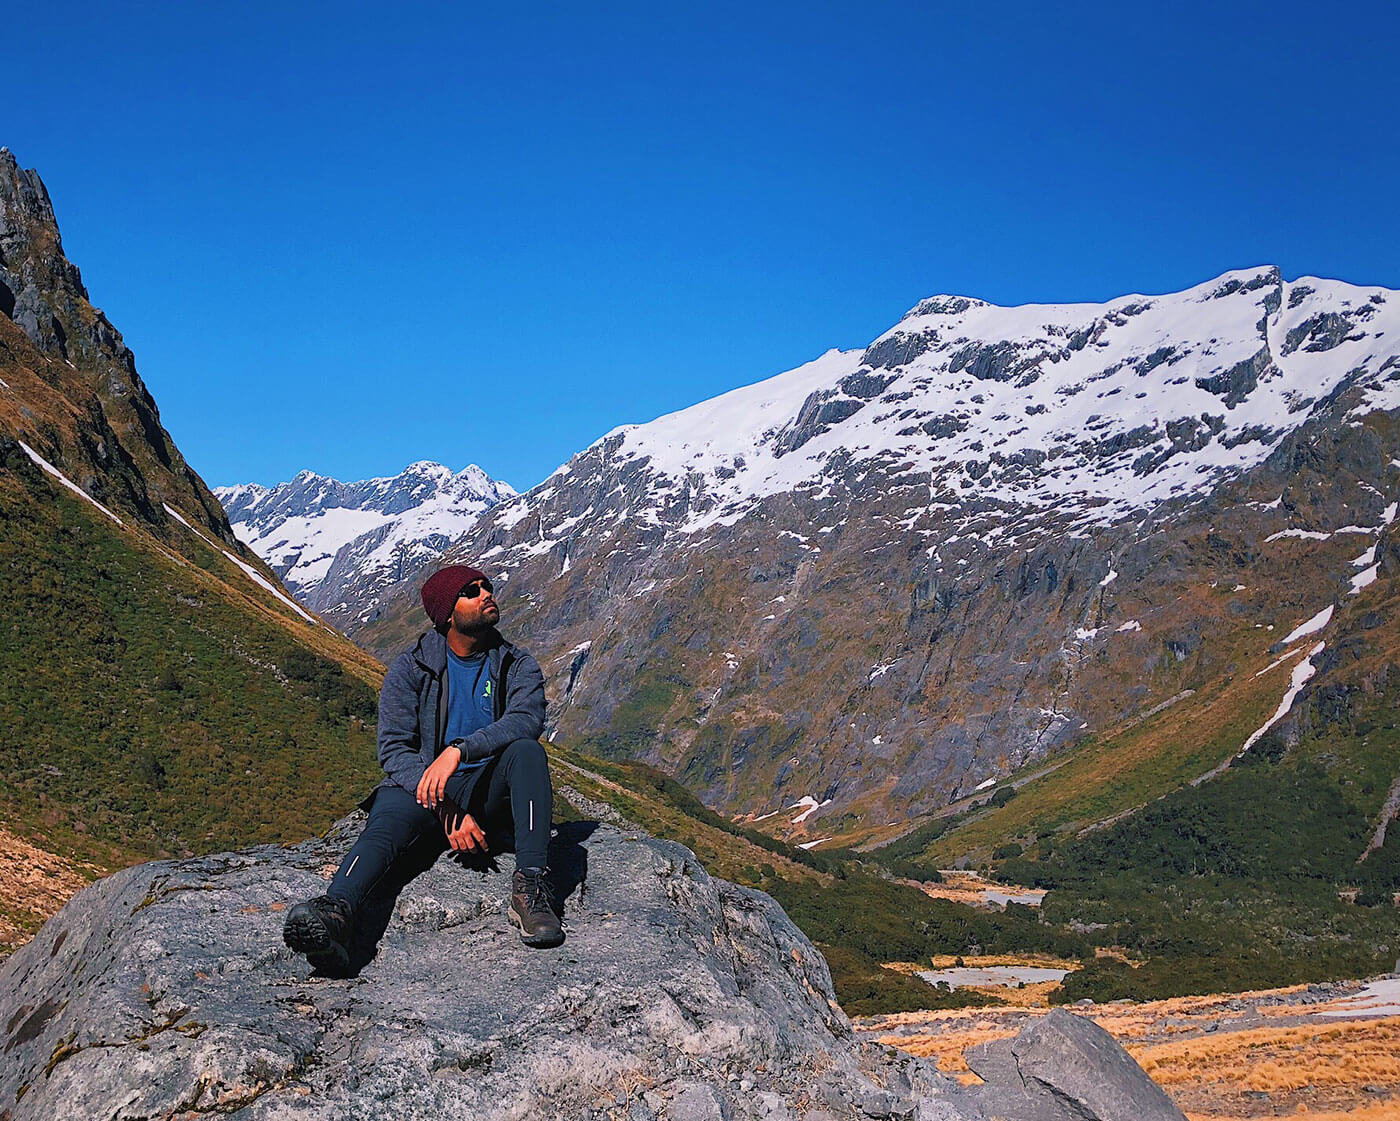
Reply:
x=984, y=785
x=880, y=670
x=1306, y=534
x=811, y=806
x=1130, y=625
x=1302, y=674
x=252, y=573
x=45, y=465
x=1364, y=579
x=814, y=844
x=1312, y=626
x=1107, y=580
x=1366, y=558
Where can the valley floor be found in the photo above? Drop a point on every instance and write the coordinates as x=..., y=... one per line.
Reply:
x=1315, y=1051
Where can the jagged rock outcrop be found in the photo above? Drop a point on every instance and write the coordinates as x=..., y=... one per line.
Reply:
x=1065, y=1068
x=165, y=991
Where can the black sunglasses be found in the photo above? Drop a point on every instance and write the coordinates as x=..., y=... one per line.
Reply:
x=475, y=588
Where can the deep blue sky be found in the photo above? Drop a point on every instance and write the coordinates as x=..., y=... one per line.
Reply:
x=348, y=236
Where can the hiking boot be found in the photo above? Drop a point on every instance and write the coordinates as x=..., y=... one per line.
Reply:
x=532, y=908
x=321, y=929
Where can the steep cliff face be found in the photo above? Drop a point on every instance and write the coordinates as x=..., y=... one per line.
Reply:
x=889, y=577
x=71, y=390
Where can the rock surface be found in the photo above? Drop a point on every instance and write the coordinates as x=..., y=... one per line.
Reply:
x=165, y=991
x=1065, y=1068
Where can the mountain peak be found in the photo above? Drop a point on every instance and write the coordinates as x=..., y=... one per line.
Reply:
x=336, y=544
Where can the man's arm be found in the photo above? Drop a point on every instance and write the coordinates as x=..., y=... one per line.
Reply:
x=400, y=738
x=523, y=718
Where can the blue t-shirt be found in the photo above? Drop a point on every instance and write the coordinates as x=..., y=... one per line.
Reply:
x=471, y=704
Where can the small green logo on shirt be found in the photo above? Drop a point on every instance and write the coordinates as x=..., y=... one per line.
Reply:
x=487, y=691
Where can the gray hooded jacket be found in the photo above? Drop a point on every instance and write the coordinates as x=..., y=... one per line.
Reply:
x=413, y=708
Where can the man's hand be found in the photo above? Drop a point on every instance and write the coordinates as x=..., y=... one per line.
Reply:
x=433, y=784
x=463, y=833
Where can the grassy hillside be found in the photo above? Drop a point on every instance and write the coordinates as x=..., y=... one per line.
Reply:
x=152, y=704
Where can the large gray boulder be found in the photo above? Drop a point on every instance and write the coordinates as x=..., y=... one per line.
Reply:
x=164, y=991
x=1064, y=1067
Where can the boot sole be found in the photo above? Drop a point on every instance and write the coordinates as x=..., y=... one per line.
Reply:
x=543, y=940
x=306, y=934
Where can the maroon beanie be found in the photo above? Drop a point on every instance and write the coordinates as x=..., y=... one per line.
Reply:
x=442, y=588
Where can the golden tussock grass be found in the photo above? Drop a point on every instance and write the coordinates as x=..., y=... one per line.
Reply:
x=1281, y=1060
x=947, y=1050
x=1379, y=1111
x=987, y=961
x=33, y=886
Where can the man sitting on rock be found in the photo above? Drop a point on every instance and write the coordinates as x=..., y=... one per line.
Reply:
x=460, y=717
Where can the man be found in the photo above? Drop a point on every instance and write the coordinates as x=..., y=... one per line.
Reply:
x=460, y=717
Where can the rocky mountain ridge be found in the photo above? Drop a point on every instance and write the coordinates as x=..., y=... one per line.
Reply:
x=887, y=577
x=88, y=411
x=337, y=545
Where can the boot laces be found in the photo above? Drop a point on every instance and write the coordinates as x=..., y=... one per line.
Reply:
x=538, y=896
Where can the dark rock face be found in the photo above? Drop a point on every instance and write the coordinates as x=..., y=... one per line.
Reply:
x=113, y=445
x=1065, y=1068
x=165, y=991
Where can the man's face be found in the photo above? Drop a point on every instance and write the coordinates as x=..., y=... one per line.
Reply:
x=475, y=608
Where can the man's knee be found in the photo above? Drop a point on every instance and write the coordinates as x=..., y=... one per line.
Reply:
x=526, y=753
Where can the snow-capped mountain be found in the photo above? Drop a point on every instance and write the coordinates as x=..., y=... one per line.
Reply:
x=1096, y=410
x=337, y=545
x=891, y=574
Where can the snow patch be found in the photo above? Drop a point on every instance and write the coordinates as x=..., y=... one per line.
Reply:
x=45, y=465
x=1130, y=625
x=1302, y=673
x=984, y=785
x=1107, y=580
x=1364, y=579
x=252, y=573
x=809, y=806
x=1312, y=626
x=1306, y=534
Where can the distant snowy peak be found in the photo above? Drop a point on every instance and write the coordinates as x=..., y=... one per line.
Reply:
x=1099, y=410
x=361, y=535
